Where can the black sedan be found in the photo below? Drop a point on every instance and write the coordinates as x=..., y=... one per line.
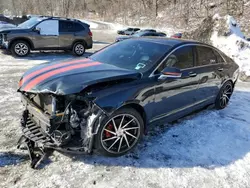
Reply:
x=141, y=34
x=107, y=102
x=128, y=31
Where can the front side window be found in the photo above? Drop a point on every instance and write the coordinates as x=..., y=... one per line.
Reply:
x=48, y=27
x=182, y=58
x=206, y=56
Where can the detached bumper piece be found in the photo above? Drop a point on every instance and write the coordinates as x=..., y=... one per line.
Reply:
x=35, y=141
x=36, y=154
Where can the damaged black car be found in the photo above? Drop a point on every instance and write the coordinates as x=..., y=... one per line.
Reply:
x=105, y=103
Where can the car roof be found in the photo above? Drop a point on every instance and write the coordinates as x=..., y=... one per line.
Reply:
x=169, y=41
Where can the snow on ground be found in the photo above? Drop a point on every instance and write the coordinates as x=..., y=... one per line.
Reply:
x=234, y=44
x=207, y=149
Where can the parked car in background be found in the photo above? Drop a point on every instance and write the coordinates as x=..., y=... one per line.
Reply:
x=48, y=33
x=5, y=19
x=128, y=31
x=177, y=35
x=106, y=103
x=141, y=34
x=4, y=26
x=149, y=30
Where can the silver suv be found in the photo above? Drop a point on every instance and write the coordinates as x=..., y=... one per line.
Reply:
x=48, y=33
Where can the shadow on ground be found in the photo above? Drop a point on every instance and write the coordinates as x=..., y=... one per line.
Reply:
x=207, y=139
x=11, y=158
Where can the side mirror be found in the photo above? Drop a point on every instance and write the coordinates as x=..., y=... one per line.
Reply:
x=170, y=72
x=37, y=29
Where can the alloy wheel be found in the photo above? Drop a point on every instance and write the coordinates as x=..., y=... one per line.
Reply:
x=79, y=49
x=225, y=95
x=120, y=133
x=21, y=49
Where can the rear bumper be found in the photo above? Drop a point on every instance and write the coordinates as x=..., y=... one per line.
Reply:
x=89, y=44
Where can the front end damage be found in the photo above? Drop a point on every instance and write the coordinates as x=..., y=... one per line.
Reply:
x=65, y=123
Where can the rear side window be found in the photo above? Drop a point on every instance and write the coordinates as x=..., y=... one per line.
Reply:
x=66, y=26
x=206, y=56
x=48, y=27
x=79, y=27
x=219, y=59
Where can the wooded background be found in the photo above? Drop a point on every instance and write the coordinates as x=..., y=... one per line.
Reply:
x=177, y=13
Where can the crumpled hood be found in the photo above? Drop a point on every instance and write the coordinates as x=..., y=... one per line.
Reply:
x=71, y=76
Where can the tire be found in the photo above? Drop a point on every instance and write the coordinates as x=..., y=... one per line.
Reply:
x=78, y=48
x=20, y=48
x=224, y=95
x=122, y=141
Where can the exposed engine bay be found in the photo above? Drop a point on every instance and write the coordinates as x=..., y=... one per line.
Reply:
x=65, y=123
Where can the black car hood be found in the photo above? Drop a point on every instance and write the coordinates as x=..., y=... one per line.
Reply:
x=71, y=77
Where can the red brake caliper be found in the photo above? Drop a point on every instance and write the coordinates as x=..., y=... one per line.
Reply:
x=108, y=134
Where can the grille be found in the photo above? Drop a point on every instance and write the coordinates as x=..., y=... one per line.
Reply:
x=34, y=132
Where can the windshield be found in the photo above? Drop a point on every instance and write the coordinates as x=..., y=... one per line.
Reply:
x=132, y=54
x=30, y=23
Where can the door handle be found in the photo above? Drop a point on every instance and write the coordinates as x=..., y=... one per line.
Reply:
x=192, y=74
x=220, y=69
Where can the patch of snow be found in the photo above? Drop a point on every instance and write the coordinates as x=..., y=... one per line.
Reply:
x=234, y=44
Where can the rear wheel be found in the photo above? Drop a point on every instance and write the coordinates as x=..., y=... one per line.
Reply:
x=120, y=133
x=20, y=48
x=79, y=48
x=224, y=95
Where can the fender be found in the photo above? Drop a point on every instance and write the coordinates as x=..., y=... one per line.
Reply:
x=136, y=97
x=24, y=39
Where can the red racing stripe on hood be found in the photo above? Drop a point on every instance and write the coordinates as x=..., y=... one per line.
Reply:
x=44, y=76
x=35, y=73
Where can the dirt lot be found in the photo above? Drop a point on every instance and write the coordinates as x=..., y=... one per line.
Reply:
x=207, y=149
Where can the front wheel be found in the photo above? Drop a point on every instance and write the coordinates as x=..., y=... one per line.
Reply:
x=120, y=133
x=20, y=48
x=224, y=95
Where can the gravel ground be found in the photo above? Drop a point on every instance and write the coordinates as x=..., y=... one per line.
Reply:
x=207, y=149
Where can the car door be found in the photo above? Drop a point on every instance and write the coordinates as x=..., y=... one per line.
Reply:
x=47, y=37
x=211, y=73
x=66, y=33
x=173, y=95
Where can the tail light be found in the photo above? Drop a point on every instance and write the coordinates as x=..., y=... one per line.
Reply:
x=90, y=34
